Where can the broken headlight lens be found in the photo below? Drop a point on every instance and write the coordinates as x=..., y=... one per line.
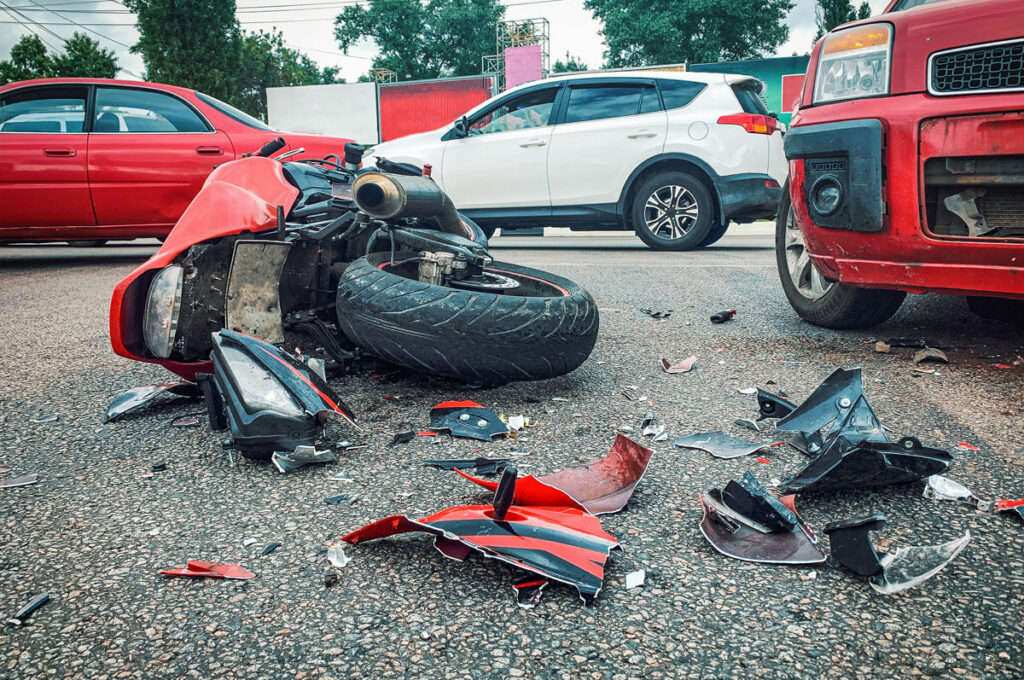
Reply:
x=259, y=390
x=160, y=320
x=854, y=63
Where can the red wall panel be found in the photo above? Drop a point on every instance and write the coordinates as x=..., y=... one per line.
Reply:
x=407, y=108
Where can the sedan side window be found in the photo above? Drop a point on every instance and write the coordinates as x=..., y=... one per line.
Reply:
x=43, y=110
x=130, y=110
x=595, y=103
x=529, y=110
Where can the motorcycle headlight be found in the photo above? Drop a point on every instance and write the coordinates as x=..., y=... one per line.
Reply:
x=259, y=390
x=160, y=321
x=854, y=63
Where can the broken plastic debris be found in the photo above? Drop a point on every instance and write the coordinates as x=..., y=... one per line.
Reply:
x=718, y=444
x=483, y=466
x=158, y=467
x=185, y=421
x=24, y=480
x=211, y=570
x=749, y=424
x=22, y=614
x=334, y=500
x=247, y=542
x=931, y=354
x=650, y=427
x=742, y=538
x=337, y=557
x=893, y=572
x=300, y=457
x=467, y=419
x=269, y=549
x=1008, y=505
x=967, y=447
x=46, y=419
x=723, y=316
x=750, y=499
x=883, y=347
x=635, y=579
x=529, y=592
x=747, y=390
x=942, y=488
x=516, y=423
x=137, y=397
x=773, y=405
x=602, y=486
x=656, y=315
x=684, y=366
x=559, y=399
x=564, y=544
x=403, y=438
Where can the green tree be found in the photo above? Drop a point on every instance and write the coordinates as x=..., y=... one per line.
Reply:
x=831, y=13
x=28, y=60
x=646, y=32
x=570, y=64
x=83, y=58
x=266, y=61
x=190, y=43
x=440, y=38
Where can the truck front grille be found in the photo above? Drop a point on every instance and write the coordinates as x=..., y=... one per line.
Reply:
x=996, y=67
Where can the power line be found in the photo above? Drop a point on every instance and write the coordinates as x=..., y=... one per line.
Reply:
x=106, y=37
x=14, y=13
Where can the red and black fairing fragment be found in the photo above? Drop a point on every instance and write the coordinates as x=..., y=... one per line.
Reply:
x=751, y=542
x=599, y=487
x=566, y=545
x=467, y=419
x=483, y=466
x=1015, y=506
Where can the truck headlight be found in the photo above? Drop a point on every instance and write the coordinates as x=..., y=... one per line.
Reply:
x=854, y=63
x=160, y=320
x=259, y=390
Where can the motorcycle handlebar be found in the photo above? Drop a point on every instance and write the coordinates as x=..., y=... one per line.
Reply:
x=270, y=147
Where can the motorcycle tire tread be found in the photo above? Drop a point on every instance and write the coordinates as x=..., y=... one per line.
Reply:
x=476, y=336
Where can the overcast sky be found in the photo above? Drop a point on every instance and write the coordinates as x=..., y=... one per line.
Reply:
x=308, y=25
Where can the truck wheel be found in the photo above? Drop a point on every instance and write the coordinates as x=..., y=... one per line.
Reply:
x=816, y=299
x=672, y=210
x=543, y=327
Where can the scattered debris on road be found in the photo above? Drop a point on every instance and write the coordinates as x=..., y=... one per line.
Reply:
x=483, y=466
x=684, y=366
x=723, y=316
x=931, y=354
x=719, y=444
x=301, y=457
x=337, y=557
x=137, y=397
x=467, y=419
x=635, y=579
x=47, y=419
x=942, y=488
x=24, y=480
x=199, y=569
x=656, y=315
x=21, y=616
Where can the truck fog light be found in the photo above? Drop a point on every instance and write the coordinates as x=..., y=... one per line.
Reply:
x=826, y=194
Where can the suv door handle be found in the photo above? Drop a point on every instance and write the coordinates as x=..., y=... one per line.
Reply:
x=642, y=133
x=533, y=142
x=209, y=150
x=64, y=151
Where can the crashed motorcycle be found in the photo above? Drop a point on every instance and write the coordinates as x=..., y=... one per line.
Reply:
x=325, y=254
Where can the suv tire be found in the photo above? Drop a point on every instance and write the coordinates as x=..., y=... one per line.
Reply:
x=672, y=210
x=716, y=233
x=816, y=299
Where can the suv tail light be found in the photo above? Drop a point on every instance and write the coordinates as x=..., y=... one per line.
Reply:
x=751, y=122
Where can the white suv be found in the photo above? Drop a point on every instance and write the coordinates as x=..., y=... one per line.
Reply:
x=672, y=155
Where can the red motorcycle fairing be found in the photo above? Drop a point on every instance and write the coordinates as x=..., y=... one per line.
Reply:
x=566, y=545
x=239, y=196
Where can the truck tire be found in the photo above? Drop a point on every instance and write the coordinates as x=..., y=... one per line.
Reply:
x=483, y=336
x=672, y=210
x=816, y=299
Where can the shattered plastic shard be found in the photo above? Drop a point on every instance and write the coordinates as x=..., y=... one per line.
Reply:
x=837, y=393
x=931, y=354
x=47, y=419
x=846, y=466
x=742, y=542
x=337, y=557
x=684, y=366
x=24, y=480
x=211, y=570
x=600, y=487
x=22, y=614
x=563, y=544
x=942, y=488
x=748, y=498
x=718, y=444
x=529, y=592
x=635, y=579
x=483, y=466
x=137, y=397
x=1016, y=506
x=467, y=419
x=300, y=457
x=773, y=405
x=892, y=572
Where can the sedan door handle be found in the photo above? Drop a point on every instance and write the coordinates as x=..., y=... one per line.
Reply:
x=533, y=142
x=63, y=151
x=209, y=150
x=642, y=133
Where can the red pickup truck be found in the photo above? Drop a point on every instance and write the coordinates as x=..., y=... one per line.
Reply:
x=906, y=159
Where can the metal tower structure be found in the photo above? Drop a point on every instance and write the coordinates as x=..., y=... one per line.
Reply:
x=519, y=33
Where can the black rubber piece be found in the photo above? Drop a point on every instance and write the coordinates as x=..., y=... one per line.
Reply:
x=716, y=233
x=842, y=306
x=697, y=234
x=480, y=337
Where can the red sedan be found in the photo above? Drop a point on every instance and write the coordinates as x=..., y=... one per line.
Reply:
x=87, y=159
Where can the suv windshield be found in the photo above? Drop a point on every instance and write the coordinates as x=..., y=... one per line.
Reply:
x=233, y=113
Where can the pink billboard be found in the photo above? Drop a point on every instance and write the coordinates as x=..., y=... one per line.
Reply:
x=522, y=64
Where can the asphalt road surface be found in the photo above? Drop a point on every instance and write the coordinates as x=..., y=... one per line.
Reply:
x=95, y=531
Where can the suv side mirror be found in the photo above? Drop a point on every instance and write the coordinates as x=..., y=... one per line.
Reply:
x=461, y=128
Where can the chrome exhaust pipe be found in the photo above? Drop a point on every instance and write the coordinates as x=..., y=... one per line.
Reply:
x=386, y=196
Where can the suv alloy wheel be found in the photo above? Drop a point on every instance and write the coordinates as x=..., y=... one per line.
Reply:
x=672, y=210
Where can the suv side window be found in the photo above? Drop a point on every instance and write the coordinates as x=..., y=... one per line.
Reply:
x=529, y=110
x=749, y=100
x=43, y=109
x=129, y=110
x=679, y=93
x=598, y=102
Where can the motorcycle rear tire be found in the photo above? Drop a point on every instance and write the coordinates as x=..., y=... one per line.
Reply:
x=480, y=336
